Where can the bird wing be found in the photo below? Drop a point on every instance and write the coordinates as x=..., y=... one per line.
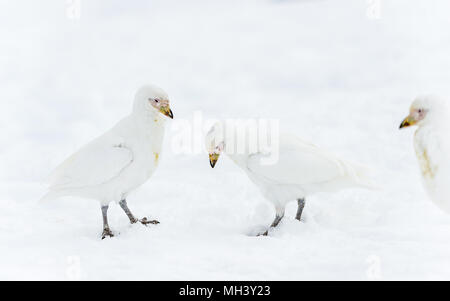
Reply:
x=95, y=164
x=299, y=163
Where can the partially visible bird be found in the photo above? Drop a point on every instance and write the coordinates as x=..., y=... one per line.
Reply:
x=432, y=146
x=116, y=163
x=302, y=169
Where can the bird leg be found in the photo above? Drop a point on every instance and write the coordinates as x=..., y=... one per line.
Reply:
x=123, y=204
x=301, y=205
x=106, y=230
x=278, y=217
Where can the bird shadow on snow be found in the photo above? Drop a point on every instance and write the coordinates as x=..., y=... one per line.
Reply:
x=288, y=226
x=82, y=220
x=343, y=210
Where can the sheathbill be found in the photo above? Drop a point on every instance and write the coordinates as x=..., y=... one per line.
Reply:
x=302, y=169
x=431, y=143
x=119, y=161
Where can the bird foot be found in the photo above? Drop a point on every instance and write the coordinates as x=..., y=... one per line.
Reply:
x=266, y=233
x=107, y=232
x=303, y=219
x=146, y=222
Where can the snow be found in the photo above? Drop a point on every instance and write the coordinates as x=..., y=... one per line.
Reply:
x=325, y=69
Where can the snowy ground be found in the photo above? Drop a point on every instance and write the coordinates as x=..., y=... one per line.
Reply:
x=327, y=70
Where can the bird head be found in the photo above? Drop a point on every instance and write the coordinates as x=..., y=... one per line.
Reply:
x=215, y=143
x=421, y=109
x=154, y=99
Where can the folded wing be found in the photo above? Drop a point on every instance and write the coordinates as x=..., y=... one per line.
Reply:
x=299, y=163
x=95, y=164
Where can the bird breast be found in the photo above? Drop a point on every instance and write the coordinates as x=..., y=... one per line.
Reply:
x=428, y=169
x=146, y=146
x=428, y=152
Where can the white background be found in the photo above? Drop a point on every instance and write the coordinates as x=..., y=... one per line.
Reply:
x=329, y=70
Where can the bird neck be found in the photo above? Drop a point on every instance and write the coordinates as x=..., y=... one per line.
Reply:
x=149, y=124
x=238, y=159
x=237, y=156
x=150, y=118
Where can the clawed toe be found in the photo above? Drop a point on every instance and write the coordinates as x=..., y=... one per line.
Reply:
x=107, y=233
x=146, y=222
x=263, y=234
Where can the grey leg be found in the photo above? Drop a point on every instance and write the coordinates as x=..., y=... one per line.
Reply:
x=276, y=221
x=301, y=205
x=106, y=230
x=278, y=217
x=123, y=204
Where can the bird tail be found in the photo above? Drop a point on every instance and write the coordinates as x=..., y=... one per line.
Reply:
x=362, y=176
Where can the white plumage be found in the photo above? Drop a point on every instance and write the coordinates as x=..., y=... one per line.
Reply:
x=432, y=146
x=113, y=165
x=302, y=169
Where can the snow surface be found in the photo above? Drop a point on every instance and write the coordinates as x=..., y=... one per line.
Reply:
x=327, y=71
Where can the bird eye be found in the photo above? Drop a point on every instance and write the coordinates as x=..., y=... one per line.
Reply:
x=156, y=100
x=420, y=111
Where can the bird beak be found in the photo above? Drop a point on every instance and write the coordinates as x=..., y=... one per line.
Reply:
x=408, y=121
x=213, y=159
x=165, y=110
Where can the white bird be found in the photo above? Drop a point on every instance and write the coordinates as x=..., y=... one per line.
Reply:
x=432, y=146
x=302, y=169
x=116, y=163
